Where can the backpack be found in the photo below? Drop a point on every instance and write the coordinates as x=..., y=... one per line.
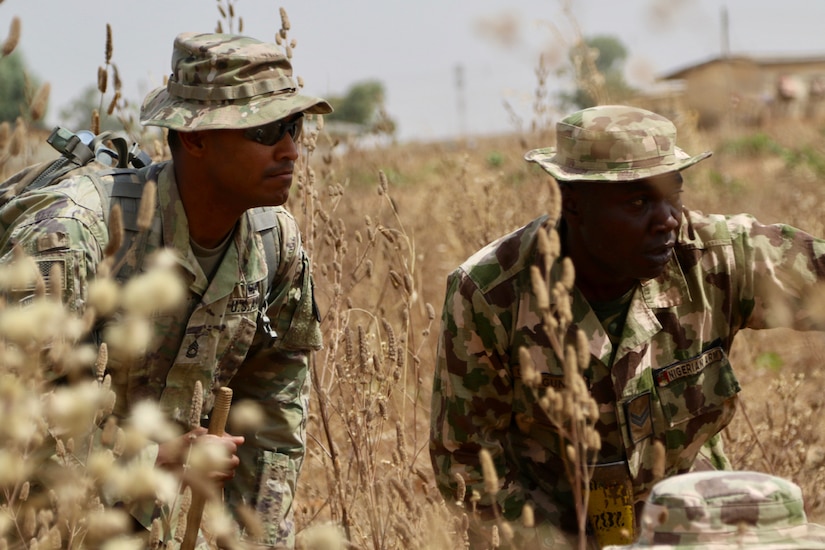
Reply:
x=83, y=153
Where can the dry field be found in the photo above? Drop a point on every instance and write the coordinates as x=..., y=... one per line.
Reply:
x=384, y=227
x=447, y=200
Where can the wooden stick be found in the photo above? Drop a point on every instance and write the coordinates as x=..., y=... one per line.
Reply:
x=217, y=424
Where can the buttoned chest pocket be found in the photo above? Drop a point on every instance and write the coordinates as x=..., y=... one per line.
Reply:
x=695, y=396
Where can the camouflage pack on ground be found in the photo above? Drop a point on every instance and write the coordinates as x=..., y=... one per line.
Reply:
x=715, y=510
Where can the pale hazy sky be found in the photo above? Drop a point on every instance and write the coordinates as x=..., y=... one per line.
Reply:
x=412, y=46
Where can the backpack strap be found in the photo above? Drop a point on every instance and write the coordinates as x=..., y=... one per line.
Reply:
x=265, y=223
x=124, y=187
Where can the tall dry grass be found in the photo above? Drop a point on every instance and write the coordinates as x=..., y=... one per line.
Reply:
x=384, y=227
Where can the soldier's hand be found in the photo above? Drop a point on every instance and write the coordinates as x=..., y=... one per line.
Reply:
x=216, y=456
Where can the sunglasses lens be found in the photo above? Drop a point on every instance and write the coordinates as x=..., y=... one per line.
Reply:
x=275, y=132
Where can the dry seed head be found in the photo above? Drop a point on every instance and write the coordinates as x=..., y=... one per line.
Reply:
x=246, y=416
x=391, y=341
x=404, y=493
x=658, y=460
x=349, y=348
x=582, y=349
x=118, y=81
x=495, y=541
x=568, y=274
x=102, y=79
x=395, y=278
x=5, y=133
x=108, y=435
x=156, y=290
x=196, y=409
x=544, y=246
x=363, y=349
x=461, y=487
x=13, y=38
x=528, y=369
x=284, y=19
x=401, y=443
x=108, y=43
x=146, y=211
x=488, y=469
x=113, y=104
x=539, y=288
x=103, y=296
x=571, y=369
x=572, y=455
x=129, y=336
x=100, y=464
x=527, y=517
x=18, y=138
x=29, y=524
x=95, y=123
x=40, y=102
x=250, y=521
x=563, y=307
x=56, y=282
x=14, y=468
x=147, y=420
x=180, y=528
x=154, y=534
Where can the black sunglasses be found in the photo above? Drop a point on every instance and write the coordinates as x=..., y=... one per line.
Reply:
x=272, y=133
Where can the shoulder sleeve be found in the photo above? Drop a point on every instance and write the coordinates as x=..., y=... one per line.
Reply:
x=471, y=400
x=59, y=227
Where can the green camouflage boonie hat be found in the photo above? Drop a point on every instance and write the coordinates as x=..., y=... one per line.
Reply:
x=726, y=510
x=613, y=143
x=225, y=81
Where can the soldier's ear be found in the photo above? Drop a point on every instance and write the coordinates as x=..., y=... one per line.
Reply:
x=569, y=200
x=192, y=142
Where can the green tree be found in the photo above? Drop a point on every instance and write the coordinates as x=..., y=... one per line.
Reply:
x=597, y=65
x=16, y=88
x=363, y=105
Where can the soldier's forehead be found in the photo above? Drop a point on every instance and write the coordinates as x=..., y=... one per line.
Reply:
x=670, y=179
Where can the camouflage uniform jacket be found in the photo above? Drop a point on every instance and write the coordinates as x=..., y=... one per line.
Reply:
x=670, y=379
x=213, y=337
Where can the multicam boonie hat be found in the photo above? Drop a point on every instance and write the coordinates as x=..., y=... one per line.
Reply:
x=225, y=81
x=613, y=143
x=726, y=510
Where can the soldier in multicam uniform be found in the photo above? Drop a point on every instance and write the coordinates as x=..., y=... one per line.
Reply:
x=726, y=510
x=234, y=116
x=660, y=292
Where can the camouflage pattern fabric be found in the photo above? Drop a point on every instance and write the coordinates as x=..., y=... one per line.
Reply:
x=226, y=81
x=727, y=510
x=212, y=337
x=670, y=380
x=613, y=143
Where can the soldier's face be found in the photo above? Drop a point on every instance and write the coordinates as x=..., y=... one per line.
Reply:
x=623, y=232
x=252, y=172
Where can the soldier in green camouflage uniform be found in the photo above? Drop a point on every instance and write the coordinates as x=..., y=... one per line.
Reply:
x=726, y=510
x=660, y=292
x=234, y=116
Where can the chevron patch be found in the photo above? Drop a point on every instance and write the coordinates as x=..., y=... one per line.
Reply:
x=638, y=417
